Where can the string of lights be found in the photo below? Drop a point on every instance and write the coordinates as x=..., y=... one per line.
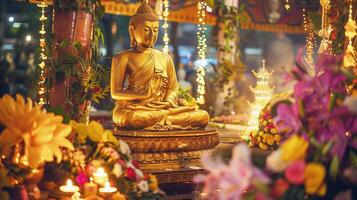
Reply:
x=201, y=49
x=165, y=26
x=43, y=57
x=310, y=41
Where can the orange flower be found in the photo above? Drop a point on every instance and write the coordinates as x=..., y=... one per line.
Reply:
x=42, y=133
x=153, y=183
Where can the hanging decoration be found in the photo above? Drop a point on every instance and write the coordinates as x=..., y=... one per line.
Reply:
x=310, y=41
x=287, y=5
x=165, y=26
x=262, y=92
x=201, y=49
x=326, y=29
x=349, y=59
x=42, y=59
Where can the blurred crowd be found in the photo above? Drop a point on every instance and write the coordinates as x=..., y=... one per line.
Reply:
x=17, y=72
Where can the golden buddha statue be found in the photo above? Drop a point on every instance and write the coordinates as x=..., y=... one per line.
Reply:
x=144, y=84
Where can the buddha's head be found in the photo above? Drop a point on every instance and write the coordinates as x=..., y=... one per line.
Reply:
x=143, y=27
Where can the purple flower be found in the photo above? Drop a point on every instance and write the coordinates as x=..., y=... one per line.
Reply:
x=287, y=119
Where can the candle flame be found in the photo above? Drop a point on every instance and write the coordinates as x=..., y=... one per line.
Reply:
x=69, y=183
x=107, y=184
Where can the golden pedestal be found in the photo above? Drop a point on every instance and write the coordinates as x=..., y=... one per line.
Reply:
x=169, y=150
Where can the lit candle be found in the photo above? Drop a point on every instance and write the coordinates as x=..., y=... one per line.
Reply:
x=100, y=176
x=90, y=188
x=107, y=189
x=69, y=187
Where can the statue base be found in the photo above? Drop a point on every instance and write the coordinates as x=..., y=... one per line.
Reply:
x=169, y=150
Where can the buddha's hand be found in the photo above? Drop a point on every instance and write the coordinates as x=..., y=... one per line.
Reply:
x=160, y=104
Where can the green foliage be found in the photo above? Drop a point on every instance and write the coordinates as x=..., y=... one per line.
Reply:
x=89, y=79
x=227, y=69
x=186, y=97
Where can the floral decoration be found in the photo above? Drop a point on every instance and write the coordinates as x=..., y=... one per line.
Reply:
x=317, y=159
x=97, y=148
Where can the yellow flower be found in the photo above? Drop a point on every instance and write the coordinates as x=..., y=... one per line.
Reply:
x=294, y=148
x=153, y=183
x=94, y=131
x=314, y=179
x=42, y=133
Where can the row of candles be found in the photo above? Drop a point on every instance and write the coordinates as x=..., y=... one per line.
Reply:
x=100, y=177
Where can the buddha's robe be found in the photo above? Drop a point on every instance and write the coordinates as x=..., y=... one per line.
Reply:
x=144, y=114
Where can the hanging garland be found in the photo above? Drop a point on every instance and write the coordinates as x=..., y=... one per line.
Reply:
x=41, y=83
x=349, y=60
x=201, y=49
x=326, y=29
x=165, y=26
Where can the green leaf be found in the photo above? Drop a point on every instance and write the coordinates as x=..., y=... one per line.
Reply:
x=326, y=148
x=59, y=111
x=334, y=167
x=77, y=45
x=353, y=157
x=348, y=73
x=332, y=102
x=122, y=185
x=64, y=43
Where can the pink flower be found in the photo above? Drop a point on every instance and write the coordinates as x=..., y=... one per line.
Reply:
x=230, y=181
x=294, y=173
x=81, y=178
x=130, y=173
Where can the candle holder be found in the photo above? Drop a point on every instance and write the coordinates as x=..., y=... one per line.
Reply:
x=90, y=188
x=99, y=176
x=69, y=188
x=107, y=190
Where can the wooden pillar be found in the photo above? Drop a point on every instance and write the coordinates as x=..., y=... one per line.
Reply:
x=227, y=55
x=71, y=27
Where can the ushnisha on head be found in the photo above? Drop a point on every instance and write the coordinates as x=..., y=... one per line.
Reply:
x=143, y=27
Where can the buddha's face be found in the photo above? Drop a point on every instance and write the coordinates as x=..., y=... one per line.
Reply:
x=146, y=33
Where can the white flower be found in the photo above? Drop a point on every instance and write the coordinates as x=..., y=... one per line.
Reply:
x=143, y=186
x=124, y=148
x=117, y=170
x=275, y=163
x=351, y=103
x=139, y=174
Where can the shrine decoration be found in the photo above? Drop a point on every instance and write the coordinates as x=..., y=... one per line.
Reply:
x=350, y=57
x=326, y=28
x=262, y=92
